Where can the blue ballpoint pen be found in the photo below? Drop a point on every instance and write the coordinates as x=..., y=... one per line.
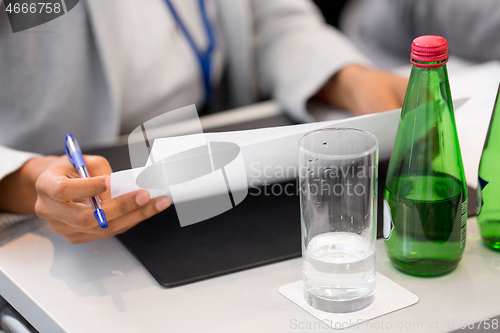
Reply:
x=76, y=158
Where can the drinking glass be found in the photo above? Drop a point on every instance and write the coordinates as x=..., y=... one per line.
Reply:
x=338, y=202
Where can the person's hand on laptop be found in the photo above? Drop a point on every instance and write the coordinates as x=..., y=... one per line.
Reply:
x=362, y=90
x=50, y=187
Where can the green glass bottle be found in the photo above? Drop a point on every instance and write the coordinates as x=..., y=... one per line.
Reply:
x=425, y=208
x=488, y=185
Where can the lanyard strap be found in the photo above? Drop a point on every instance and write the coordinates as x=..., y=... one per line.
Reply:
x=204, y=57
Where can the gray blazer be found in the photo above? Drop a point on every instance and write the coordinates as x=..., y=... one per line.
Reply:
x=52, y=82
x=66, y=75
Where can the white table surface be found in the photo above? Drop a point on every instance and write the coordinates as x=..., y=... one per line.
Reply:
x=101, y=287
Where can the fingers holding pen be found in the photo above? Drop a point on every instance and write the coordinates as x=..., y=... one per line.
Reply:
x=88, y=230
x=126, y=221
x=59, y=187
x=81, y=216
x=62, y=199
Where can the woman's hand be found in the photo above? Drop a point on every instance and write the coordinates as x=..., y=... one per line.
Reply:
x=361, y=90
x=51, y=188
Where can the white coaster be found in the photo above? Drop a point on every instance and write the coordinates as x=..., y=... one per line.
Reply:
x=389, y=297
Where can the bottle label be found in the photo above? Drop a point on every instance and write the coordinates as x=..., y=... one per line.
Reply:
x=482, y=182
x=481, y=185
x=479, y=203
x=463, y=224
x=388, y=224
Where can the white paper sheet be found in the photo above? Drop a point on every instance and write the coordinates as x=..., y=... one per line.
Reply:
x=271, y=154
x=479, y=82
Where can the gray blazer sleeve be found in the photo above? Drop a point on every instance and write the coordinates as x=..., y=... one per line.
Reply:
x=12, y=160
x=297, y=52
x=10, y=224
x=471, y=27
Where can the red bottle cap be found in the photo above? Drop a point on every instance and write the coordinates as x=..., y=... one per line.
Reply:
x=429, y=49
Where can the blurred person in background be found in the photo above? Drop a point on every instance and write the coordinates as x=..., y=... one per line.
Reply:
x=385, y=29
x=105, y=67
